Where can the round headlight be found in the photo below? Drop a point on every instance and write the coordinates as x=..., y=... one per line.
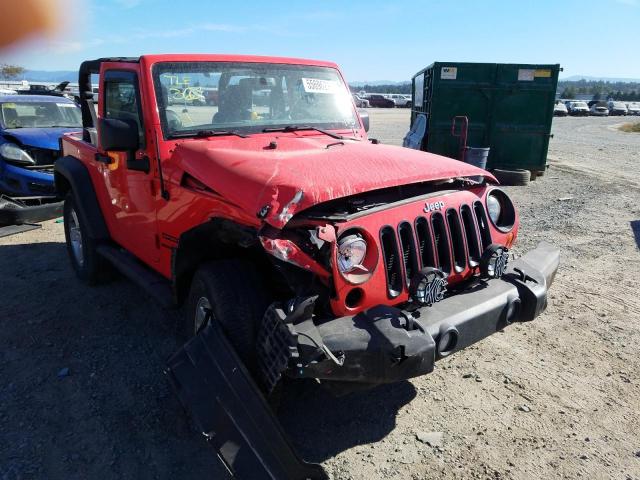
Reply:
x=501, y=210
x=494, y=209
x=13, y=153
x=352, y=250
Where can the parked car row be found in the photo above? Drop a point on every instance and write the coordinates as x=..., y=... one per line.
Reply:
x=597, y=108
x=382, y=100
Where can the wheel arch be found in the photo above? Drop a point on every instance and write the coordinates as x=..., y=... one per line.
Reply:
x=70, y=174
x=217, y=239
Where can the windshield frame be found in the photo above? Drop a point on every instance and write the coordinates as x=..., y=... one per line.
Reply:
x=186, y=66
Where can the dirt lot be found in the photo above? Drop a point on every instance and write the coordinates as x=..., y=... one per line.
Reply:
x=557, y=398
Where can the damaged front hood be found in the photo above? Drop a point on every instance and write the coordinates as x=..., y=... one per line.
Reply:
x=303, y=171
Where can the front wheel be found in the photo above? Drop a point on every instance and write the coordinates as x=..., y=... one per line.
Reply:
x=228, y=292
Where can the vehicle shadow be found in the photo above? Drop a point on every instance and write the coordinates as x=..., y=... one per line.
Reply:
x=83, y=371
x=635, y=228
x=321, y=425
x=82, y=388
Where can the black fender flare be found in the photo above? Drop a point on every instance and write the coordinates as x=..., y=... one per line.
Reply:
x=71, y=174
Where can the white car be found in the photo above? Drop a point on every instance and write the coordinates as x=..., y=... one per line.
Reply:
x=617, y=108
x=360, y=101
x=577, y=108
x=399, y=99
x=560, y=109
x=599, y=109
x=7, y=91
x=633, y=108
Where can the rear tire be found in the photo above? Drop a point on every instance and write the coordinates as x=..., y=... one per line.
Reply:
x=231, y=293
x=90, y=267
x=512, y=177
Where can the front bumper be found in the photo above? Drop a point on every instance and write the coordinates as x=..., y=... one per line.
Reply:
x=387, y=344
x=23, y=182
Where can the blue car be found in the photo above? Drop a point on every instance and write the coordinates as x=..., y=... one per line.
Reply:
x=30, y=129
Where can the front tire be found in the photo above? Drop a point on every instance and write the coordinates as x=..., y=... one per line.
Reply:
x=90, y=267
x=231, y=293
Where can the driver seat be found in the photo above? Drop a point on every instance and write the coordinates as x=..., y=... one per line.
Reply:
x=235, y=104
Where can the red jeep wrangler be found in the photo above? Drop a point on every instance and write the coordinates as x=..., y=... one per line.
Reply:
x=319, y=253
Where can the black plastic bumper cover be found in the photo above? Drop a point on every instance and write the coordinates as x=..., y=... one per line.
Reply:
x=14, y=214
x=228, y=408
x=386, y=344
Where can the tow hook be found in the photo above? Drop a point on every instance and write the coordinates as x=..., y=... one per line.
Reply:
x=524, y=277
x=532, y=297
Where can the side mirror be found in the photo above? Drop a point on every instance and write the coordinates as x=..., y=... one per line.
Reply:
x=364, y=115
x=118, y=135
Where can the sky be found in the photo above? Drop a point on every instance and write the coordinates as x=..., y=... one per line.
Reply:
x=370, y=40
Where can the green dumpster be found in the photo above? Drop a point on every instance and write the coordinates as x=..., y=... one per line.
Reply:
x=509, y=108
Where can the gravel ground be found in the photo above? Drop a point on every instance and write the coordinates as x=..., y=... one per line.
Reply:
x=82, y=394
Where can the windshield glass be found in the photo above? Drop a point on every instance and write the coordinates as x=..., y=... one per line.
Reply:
x=580, y=104
x=39, y=115
x=619, y=105
x=248, y=97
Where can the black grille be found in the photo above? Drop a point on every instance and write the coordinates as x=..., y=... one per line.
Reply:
x=391, y=259
x=483, y=226
x=471, y=234
x=425, y=242
x=450, y=241
x=276, y=346
x=43, y=156
x=441, y=240
x=408, y=247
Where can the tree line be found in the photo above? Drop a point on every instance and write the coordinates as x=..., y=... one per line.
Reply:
x=600, y=90
x=392, y=88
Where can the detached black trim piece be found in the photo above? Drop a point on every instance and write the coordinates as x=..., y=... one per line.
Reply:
x=229, y=409
x=30, y=214
x=71, y=170
x=15, y=229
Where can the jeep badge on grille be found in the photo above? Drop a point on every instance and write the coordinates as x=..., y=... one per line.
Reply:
x=430, y=207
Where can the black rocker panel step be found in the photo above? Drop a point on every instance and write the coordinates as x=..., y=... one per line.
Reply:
x=156, y=286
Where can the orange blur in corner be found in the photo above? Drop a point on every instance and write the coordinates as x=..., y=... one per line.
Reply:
x=21, y=19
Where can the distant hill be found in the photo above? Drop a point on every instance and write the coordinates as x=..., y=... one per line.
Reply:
x=376, y=83
x=577, y=78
